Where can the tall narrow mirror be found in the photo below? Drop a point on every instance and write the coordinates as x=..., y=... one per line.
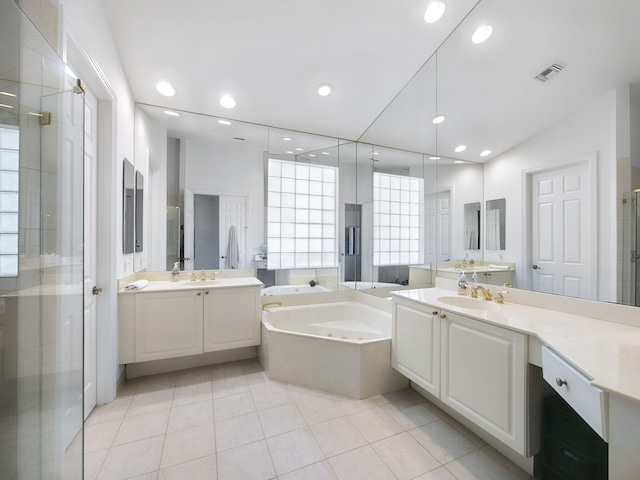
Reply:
x=139, y=216
x=128, y=207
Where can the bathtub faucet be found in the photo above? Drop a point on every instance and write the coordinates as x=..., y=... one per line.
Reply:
x=270, y=303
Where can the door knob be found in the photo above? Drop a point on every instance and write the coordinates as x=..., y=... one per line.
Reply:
x=96, y=291
x=536, y=267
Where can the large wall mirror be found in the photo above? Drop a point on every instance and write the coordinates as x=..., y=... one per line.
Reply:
x=128, y=206
x=516, y=128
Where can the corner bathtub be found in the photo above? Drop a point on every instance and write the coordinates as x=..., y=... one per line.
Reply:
x=341, y=347
x=291, y=289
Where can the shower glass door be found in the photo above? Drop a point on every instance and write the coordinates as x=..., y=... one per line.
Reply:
x=41, y=258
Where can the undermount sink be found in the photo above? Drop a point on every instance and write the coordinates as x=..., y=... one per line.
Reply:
x=470, y=303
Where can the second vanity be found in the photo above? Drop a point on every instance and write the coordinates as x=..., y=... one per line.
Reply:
x=478, y=360
x=176, y=319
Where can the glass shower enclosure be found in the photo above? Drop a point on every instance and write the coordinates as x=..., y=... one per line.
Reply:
x=41, y=257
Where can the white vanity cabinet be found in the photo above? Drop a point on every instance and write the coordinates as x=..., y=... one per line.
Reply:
x=167, y=320
x=415, y=344
x=495, y=278
x=231, y=318
x=475, y=368
x=168, y=324
x=484, y=376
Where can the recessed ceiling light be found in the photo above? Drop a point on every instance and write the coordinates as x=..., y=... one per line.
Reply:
x=224, y=122
x=482, y=33
x=171, y=113
x=485, y=153
x=324, y=89
x=7, y=94
x=227, y=101
x=434, y=12
x=166, y=89
x=289, y=152
x=458, y=161
x=461, y=148
x=286, y=139
x=434, y=158
x=438, y=119
x=376, y=153
x=325, y=153
x=300, y=149
x=312, y=154
x=4, y=105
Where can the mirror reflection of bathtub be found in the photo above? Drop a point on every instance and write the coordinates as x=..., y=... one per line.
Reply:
x=292, y=289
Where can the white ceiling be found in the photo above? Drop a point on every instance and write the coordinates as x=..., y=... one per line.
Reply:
x=376, y=53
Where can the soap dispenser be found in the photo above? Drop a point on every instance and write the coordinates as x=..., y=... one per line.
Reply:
x=462, y=284
x=474, y=279
x=175, y=272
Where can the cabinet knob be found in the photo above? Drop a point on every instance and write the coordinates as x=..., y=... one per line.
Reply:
x=199, y=293
x=434, y=313
x=206, y=292
x=442, y=315
x=560, y=382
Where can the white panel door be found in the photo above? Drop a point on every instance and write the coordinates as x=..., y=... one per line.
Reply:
x=232, y=213
x=562, y=232
x=90, y=249
x=438, y=227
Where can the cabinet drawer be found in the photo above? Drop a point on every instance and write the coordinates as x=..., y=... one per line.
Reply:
x=589, y=402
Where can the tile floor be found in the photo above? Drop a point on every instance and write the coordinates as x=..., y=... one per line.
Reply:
x=230, y=421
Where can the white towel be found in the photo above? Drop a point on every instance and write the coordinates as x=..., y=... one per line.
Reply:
x=233, y=256
x=137, y=285
x=499, y=267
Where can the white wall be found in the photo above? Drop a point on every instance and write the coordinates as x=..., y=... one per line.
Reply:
x=592, y=129
x=218, y=170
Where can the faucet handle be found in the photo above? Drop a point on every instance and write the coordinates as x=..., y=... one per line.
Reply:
x=473, y=292
x=500, y=296
x=193, y=276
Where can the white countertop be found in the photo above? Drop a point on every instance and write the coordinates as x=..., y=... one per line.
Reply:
x=474, y=268
x=606, y=352
x=184, y=285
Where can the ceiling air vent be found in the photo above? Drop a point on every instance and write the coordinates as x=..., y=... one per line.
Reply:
x=543, y=76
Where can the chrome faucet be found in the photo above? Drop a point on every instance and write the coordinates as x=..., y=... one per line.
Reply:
x=485, y=293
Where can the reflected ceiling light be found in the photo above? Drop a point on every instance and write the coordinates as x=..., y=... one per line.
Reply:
x=312, y=154
x=461, y=148
x=4, y=105
x=434, y=158
x=376, y=153
x=435, y=10
x=299, y=149
x=7, y=94
x=324, y=89
x=325, y=153
x=289, y=152
x=35, y=114
x=166, y=89
x=438, y=119
x=224, y=122
x=485, y=153
x=286, y=139
x=482, y=34
x=227, y=101
x=171, y=113
x=458, y=161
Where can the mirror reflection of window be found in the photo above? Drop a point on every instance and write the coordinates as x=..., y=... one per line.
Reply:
x=301, y=215
x=398, y=230
x=9, y=183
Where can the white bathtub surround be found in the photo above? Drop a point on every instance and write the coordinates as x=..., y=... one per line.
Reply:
x=292, y=290
x=342, y=348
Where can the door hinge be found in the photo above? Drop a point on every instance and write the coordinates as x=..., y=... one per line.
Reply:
x=79, y=87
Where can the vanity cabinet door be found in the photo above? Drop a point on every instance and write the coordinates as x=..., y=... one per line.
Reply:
x=484, y=376
x=496, y=278
x=168, y=324
x=415, y=344
x=231, y=318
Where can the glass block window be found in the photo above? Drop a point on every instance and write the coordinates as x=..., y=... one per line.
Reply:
x=398, y=228
x=301, y=215
x=9, y=183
